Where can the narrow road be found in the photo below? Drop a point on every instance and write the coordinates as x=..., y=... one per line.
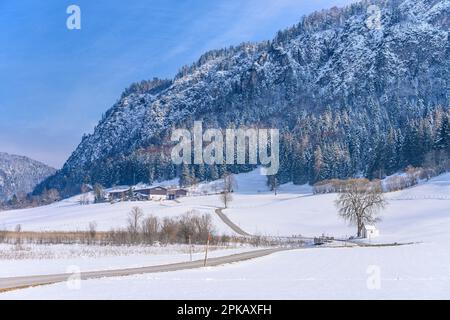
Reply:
x=7, y=284
x=231, y=224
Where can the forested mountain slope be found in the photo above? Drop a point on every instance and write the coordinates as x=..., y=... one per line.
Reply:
x=19, y=175
x=349, y=98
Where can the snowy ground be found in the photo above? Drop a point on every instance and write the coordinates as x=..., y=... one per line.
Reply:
x=55, y=259
x=405, y=273
x=69, y=215
x=420, y=215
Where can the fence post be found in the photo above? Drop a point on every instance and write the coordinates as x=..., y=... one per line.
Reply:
x=206, y=251
x=190, y=248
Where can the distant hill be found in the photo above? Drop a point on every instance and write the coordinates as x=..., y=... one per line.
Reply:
x=19, y=174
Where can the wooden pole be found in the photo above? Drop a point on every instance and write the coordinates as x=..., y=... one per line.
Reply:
x=190, y=248
x=206, y=251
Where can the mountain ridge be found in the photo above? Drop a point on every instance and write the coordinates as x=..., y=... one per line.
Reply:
x=20, y=174
x=330, y=71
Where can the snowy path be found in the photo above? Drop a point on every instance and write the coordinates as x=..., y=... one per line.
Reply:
x=231, y=224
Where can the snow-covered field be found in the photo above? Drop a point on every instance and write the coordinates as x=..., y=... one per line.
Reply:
x=420, y=215
x=56, y=259
x=69, y=215
x=406, y=273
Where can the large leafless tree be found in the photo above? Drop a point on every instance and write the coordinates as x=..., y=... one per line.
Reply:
x=360, y=201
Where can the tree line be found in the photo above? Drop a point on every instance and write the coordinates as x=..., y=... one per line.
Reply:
x=373, y=142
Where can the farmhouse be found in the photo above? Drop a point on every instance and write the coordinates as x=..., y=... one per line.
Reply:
x=153, y=193
x=370, y=231
x=147, y=193
x=142, y=192
x=176, y=193
x=118, y=195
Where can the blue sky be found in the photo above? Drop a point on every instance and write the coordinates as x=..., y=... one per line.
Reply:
x=55, y=83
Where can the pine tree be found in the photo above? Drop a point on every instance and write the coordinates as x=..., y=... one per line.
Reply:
x=213, y=173
x=14, y=200
x=443, y=137
x=185, y=177
x=201, y=172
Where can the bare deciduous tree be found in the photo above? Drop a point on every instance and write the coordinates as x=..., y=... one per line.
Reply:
x=51, y=195
x=150, y=228
x=204, y=226
x=99, y=193
x=360, y=201
x=226, y=198
x=134, y=221
x=169, y=230
x=18, y=230
x=229, y=184
x=92, y=230
x=84, y=199
x=187, y=225
x=272, y=181
x=84, y=188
